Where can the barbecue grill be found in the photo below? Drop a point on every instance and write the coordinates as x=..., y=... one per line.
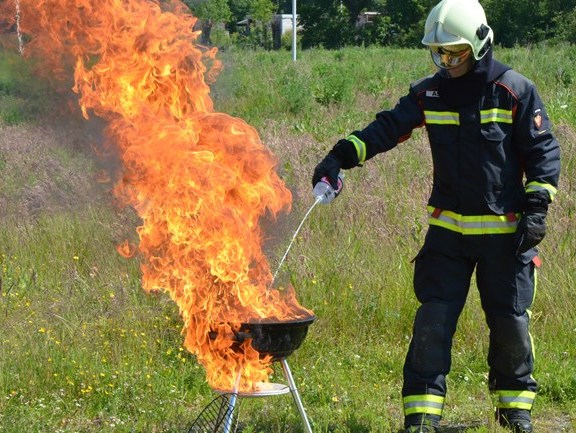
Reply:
x=278, y=339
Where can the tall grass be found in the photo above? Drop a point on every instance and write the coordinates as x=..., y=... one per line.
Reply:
x=84, y=349
x=327, y=93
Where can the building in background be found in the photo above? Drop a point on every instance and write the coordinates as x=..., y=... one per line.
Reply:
x=281, y=24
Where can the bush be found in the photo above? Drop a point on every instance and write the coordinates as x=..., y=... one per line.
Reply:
x=221, y=38
x=337, y=84
x=287, y=41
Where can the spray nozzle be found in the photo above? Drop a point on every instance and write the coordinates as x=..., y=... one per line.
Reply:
x=324, y=192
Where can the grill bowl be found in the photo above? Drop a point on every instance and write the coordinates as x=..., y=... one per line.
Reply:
x=278, y=339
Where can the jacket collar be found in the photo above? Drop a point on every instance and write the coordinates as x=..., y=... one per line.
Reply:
x=469, y=88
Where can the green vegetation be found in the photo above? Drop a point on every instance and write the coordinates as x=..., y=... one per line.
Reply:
x=333, y=24
x=329, y=93
x=21, y=98
x=84, y=349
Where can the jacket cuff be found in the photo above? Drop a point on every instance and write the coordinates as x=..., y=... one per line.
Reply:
x=345, y=151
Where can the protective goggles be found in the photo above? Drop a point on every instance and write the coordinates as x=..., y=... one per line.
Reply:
x=450, y=56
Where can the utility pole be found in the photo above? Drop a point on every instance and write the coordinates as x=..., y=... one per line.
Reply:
x=294, y=30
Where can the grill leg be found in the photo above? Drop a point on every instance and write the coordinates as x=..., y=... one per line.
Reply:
x=230, y=413
x=231, y=405
x=296, y=395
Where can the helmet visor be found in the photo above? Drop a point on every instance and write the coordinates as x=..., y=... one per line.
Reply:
x=450, y=56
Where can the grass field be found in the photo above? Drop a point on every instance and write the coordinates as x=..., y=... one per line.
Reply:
x=84, y=349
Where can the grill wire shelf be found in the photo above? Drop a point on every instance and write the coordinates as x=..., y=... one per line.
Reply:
x=221, y=415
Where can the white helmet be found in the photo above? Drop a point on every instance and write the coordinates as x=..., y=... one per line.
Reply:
x=455, y=22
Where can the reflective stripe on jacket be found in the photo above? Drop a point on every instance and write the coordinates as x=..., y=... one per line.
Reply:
x=473, y=224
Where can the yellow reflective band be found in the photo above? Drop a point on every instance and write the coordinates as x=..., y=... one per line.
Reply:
x=442, y=117
x=515, y=399
x=539, y=186
x=529, y=312
x=496, y=115
x=426, y=403
x=360, y=148
x=473, y=224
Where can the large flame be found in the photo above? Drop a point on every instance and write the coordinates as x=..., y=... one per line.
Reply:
x=201, y=181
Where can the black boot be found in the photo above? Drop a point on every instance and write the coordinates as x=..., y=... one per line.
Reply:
x=517, y=420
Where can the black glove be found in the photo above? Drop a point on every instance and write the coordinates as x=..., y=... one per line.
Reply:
x=343, y=155
x=329, y=167
x=532, y=226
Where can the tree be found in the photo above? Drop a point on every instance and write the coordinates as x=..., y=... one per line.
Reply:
x=231, y=12
x=332, y=23
x=566, y=26
x=407, y=20
x=283, y=6
x=522, y=22
x=325, y=23
x=378, y=32
x=262, y=11
x=356, y=6
x=209, y=12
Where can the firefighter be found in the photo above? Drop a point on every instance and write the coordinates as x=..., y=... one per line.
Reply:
x=496, y=168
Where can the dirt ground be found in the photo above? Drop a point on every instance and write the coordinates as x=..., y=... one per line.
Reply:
x=51, y=166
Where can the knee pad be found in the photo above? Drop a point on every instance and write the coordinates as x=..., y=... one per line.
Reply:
x=432, y=338
x=510, y=345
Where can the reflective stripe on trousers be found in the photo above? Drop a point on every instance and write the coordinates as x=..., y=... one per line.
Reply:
x=425, y=403
x=517, y=399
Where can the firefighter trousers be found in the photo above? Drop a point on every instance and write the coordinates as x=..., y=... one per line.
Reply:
x=506, y=284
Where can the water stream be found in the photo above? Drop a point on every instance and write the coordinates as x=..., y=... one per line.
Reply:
x=318, y=200
x=20, y=40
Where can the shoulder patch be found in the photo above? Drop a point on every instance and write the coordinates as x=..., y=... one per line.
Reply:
x=432, y=94
x=537, y=117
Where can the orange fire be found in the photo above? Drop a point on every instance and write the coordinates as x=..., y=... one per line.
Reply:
x=201, y=181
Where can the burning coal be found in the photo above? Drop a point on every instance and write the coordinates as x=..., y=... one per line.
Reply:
x=201, y=181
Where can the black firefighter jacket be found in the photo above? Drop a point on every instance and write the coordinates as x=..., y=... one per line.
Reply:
x=480, y=150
